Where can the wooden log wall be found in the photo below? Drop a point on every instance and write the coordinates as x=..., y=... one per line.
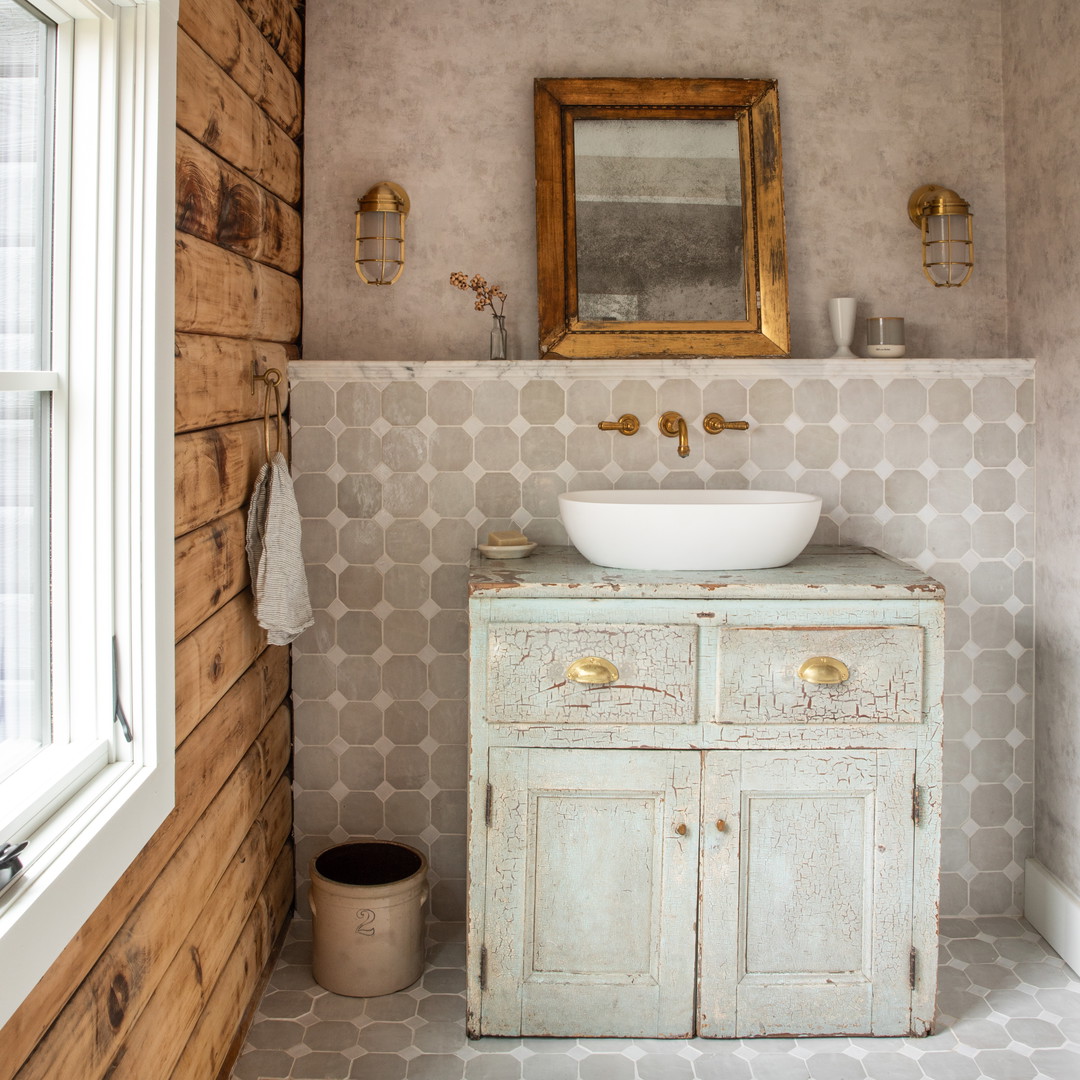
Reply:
x=156, y=983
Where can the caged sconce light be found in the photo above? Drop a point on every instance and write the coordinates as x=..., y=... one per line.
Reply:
x=944, y=219
x=380, y=234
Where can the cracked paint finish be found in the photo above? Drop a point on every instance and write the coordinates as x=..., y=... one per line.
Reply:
x=760, y=682
x=527, y=680
x=799, y=867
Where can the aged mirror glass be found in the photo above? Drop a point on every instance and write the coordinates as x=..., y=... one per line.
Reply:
x=660, y=226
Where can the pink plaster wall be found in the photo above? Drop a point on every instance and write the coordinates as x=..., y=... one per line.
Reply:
x=875, y=100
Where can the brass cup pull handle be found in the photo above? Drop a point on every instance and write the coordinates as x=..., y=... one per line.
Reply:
x=681, y=828
x=592, y=671
x=824, y=670
x=714, y=423
x=627, y=424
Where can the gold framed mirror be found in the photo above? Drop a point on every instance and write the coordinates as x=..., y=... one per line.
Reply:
x=660, y=218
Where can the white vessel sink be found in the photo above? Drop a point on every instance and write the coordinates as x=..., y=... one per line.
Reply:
x=689, y=530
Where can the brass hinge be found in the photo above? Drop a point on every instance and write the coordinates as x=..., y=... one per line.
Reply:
x=912, y=960
x=916, y=804
x=487, y=806
x=483, y=967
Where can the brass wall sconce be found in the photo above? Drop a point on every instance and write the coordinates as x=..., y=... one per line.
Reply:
x=944, y=219
x=380, y=234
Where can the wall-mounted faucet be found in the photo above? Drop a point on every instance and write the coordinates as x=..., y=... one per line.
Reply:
x=672, y=424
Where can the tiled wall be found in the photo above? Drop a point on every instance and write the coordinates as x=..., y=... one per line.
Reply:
x=401, y=468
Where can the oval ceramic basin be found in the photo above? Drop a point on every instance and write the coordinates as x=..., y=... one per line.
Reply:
x=689, y=530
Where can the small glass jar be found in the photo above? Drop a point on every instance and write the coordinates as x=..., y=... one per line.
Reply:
x=885, y=336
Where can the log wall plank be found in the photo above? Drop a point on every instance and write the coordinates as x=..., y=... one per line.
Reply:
x=218, y=203
x=215, y=472
x=213, y=109
x=211, y=568
x=280, y=24
x=212, y=657
x=213, y=379
x=211, y=1041
x=231, y=918
x=227, y=35
x=224, y=294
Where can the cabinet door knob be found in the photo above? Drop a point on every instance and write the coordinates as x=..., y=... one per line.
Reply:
x=721, y=824
x=592, y=671
x=823, y=670
x=681, y=828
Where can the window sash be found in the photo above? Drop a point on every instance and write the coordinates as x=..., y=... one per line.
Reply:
x=116, y=521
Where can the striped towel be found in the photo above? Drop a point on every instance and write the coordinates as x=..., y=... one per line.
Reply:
x=278, y=580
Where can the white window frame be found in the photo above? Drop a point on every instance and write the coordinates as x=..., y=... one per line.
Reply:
x=112, y=476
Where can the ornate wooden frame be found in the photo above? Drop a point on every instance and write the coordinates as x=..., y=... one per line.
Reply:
x=753, y=103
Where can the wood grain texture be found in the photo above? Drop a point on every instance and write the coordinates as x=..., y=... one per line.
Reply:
x=248, y=903
x=212, y=657
x=115, y=988
x=213, y=379
x=280, y=23
x=227, y=35
x=227, y=295
x=205, y=1052
x=215, y=472
x=211, y=568
x=214, y=110
x=220, y=204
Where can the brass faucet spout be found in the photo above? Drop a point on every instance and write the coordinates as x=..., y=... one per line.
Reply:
x=673, y=426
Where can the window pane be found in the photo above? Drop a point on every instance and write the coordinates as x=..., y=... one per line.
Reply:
x=25, y=187
x=23, y=584
x=25, y=207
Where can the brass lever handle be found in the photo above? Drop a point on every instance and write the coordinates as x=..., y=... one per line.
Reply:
x=824, y=670
x=714, y=423
x=592, y=671
x=627, y=424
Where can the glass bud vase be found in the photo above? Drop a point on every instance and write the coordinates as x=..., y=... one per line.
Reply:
x=498, y=337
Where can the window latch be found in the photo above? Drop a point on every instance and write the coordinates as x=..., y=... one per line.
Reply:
x=10, y=865
x=118, y=709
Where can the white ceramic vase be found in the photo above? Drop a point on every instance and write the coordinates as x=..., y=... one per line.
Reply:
x=842, y=321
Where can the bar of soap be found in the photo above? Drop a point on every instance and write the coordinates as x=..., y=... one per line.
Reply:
x=512, y=538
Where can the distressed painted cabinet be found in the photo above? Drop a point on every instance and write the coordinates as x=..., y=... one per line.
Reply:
x=702, y=841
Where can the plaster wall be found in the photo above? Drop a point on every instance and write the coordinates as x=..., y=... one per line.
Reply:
x=1043, y=160
x=437, y=95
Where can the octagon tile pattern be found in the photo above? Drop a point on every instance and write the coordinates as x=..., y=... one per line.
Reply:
x=1008, y=1009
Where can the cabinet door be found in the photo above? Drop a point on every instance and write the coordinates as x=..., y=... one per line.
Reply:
x=590, y=892
x=806, y=893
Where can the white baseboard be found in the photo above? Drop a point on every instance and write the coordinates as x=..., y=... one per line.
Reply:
x=1054, y=910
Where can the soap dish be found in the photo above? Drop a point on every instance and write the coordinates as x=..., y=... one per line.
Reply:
x=515, y=551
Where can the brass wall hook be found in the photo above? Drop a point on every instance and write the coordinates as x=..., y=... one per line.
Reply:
x=714, y=423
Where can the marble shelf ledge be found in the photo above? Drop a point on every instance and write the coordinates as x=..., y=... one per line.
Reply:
x=699, y=368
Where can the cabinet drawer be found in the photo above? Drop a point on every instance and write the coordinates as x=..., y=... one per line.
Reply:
x=527, y=683
x=760, y=682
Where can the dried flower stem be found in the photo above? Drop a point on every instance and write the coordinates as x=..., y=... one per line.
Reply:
x=485, y=294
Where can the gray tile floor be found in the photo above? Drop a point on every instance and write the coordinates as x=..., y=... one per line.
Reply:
x=1009, y=1009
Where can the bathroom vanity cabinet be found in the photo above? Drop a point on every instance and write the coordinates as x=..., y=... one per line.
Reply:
x=675, y=827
